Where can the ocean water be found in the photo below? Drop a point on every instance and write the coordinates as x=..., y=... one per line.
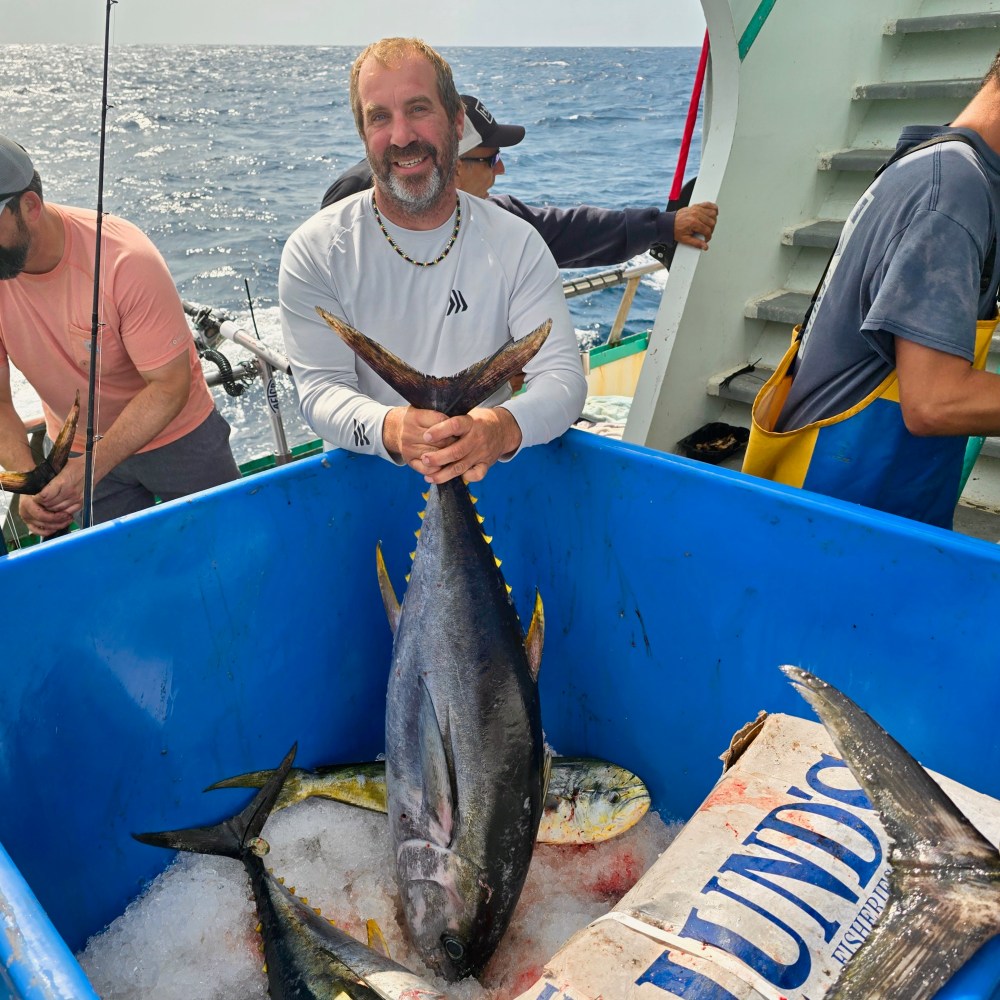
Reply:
x=220, y=152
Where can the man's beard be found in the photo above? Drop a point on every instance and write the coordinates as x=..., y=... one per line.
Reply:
x=415, y=195
x=13, y=259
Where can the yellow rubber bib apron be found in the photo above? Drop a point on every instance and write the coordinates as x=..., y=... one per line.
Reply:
x=864, y=454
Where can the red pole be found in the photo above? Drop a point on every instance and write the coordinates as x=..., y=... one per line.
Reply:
x=692, y=115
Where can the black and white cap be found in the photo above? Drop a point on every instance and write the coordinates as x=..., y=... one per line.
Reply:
x=482, y=129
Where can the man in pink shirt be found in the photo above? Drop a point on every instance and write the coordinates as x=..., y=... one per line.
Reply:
x=157, y=430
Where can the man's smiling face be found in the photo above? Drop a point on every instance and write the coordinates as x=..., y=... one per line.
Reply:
x=411, y=145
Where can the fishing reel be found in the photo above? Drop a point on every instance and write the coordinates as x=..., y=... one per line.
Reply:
x=207, y=323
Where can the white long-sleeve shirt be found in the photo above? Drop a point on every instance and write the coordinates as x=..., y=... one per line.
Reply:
x=498, y=283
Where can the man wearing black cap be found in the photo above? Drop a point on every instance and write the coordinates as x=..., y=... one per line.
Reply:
x=156, y=427
x=585, y=236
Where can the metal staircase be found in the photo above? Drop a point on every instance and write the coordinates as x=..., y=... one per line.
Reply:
x=919, y=54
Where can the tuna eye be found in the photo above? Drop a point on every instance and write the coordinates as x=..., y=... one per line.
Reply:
x=614, y=798
x=454, y=948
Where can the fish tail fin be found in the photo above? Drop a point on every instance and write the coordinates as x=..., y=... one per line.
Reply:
x=945, y=880
x=231, y=837
x=48, y=468
x=451, y=394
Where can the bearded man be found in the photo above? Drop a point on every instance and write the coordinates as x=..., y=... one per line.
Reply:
x=157, y=432
x=439, y=278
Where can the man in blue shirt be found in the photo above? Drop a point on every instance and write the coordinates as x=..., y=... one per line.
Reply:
x=875, y=402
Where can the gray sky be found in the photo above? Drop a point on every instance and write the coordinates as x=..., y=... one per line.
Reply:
x=357, y=22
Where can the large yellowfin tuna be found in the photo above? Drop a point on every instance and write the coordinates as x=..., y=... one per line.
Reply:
x=465, y=764
x=944, y=901
x=305, y=956
x=588, y=800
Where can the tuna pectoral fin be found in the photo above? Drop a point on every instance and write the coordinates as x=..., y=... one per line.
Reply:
x=230, y=837
x=452, y=394
x=535, y=637
x=42, y=474
x=945, y=879
x=389, y=599
x=438, y=782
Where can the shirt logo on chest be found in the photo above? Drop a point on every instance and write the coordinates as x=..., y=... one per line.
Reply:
x=456, y=303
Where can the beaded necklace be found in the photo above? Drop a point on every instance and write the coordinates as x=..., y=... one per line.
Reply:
x=402, y=253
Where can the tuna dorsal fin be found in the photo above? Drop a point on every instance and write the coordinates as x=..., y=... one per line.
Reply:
x=535, y=637
x=438, y=786
x=389, y=598
x=945, y=878
x=375, y=939
x=230, y=837
x=451, y=394
x=42, y=474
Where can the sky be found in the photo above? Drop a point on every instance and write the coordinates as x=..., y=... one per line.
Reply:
x=356, y=22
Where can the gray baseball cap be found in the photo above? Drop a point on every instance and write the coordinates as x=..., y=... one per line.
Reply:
x=16, y=169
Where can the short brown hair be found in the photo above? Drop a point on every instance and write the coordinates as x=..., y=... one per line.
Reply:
x=390, y=52
x=993, y=73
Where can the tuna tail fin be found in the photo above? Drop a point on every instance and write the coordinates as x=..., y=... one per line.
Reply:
x=231, y=837
x=48, y=468
x=450, y=394
x=945, y=881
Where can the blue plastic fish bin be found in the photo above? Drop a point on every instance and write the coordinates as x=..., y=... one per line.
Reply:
x=152, y=656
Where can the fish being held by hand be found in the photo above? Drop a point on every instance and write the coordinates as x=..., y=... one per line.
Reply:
x=305, y=956
x=466, y=769
x=944, y=901
x=48, y=468
x=588, y=800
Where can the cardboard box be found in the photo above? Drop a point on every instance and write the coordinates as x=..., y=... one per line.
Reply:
x=765, y=893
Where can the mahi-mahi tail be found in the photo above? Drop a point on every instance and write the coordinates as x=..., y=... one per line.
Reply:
x=944, y=884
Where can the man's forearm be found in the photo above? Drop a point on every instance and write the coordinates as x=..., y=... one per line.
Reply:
x=15, y=452
x=142, y=419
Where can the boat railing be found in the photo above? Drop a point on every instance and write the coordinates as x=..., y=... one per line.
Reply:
x=627, y=276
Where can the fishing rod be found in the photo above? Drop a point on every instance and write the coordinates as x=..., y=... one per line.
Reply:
x=680, y=192
x=95, y=322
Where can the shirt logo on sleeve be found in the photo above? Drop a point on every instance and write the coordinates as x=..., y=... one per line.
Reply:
x=456, y=303
x=361, y=439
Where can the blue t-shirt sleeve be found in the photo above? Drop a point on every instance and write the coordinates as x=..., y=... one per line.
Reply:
x=924, y=294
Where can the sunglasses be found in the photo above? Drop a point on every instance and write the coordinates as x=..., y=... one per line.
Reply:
x=491, y=160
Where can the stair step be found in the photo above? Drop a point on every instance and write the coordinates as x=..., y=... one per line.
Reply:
x=862, y=160
x=782, y=306
x=991, y=448
x=738, y=384
x=925, y=90
x=823, y=233
x=944, y=22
